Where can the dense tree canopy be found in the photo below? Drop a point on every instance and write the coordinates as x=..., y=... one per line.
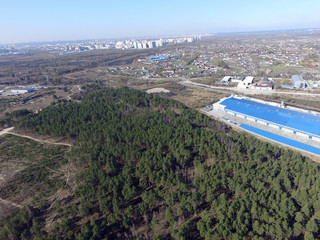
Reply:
x=153, y=168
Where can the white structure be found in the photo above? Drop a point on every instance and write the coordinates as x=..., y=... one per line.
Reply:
x=151, y=44
x=248, y=80
x=225, y=80
x=139, y=44
x=298, y=81
x=119, y=45
x=144, y=44
x=159, y=43
x=245, y=83
x=237, y=79
x=190, y=39
x=263, y=86
x=18, y=91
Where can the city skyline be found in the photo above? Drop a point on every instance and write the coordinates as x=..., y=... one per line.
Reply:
x=36, y=21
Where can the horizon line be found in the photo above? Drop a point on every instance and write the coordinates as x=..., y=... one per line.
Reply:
x=163, y=36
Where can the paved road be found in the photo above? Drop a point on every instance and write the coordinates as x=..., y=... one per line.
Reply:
x=243, y=91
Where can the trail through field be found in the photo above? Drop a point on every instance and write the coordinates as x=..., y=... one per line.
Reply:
x=6, y=130
x=67, y=174
x=6, y=202
x=35, y=139
x=78, y=89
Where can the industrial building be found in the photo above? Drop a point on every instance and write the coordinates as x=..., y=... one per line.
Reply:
x=237, y=79
x=298, y=82
x=225, y=80
x=17, y=91
x=266, y=84
x=158, y=58
x=245, y=83
x=304, y=125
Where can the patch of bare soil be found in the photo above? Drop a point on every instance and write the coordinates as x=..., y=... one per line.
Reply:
x=192, y=97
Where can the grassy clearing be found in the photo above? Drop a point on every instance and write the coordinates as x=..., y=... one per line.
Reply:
x=26, y=150
x=29, y=168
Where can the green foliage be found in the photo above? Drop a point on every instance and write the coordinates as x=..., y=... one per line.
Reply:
x=18, y=113
x=37, y=166
x=141, y=157
x=10, y=118
x=17, y=225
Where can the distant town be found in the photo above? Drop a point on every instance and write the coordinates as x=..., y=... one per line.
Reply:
x=80, y=46
x=212, y=119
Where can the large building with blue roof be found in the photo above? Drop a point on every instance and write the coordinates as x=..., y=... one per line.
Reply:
x=158, y=58
x=295, y=122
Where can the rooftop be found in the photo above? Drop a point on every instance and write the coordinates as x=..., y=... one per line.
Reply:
x=297, y=120
x=297, y=78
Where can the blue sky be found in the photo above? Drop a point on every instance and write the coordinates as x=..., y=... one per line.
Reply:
x=50, y=20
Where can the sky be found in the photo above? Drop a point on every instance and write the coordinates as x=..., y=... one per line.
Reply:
x=53, y=20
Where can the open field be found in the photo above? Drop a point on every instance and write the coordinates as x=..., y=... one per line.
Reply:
x=49, y=69
x=30, y=172
x=192, y=97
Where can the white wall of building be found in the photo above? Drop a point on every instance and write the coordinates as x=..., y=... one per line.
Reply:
x=220, y=107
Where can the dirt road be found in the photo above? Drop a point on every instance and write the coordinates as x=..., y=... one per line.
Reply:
x=74, y=92
x=6, y=202
x=243, y=91
x=8, y=131
x=67, y=174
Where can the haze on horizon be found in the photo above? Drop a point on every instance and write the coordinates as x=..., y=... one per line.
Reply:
x=37, y=20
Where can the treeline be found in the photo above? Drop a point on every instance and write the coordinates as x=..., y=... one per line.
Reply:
x=12, y=117
x=156, y=169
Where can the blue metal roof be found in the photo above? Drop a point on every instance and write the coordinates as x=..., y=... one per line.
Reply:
x=158, y=57
x=281, y=139
x=297, y=120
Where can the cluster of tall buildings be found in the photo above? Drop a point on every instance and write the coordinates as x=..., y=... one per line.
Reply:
x=64, y=47
x=143, y=44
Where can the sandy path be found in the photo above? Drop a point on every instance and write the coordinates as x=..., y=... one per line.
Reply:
x=8, y=131
x=6, y=202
